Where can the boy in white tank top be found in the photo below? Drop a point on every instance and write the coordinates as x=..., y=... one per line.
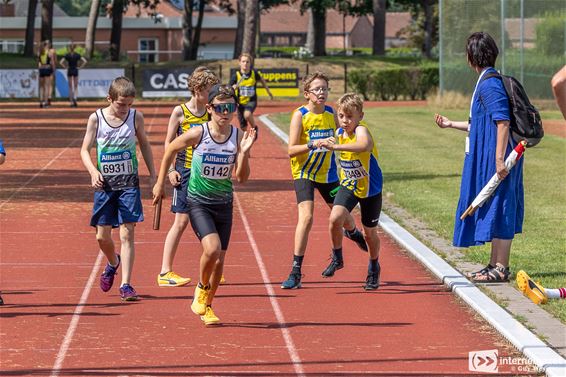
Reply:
x=117, y=197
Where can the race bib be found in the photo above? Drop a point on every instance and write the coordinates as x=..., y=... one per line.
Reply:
x=247, y=91
x=117, y=163
x=353, y=169
x=320, y=134
x=217, y=166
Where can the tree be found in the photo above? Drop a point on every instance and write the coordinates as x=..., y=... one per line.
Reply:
x=117, y=13
x=378, y=44
x=91, y=28
x=250, y=28
x=30, y=28
x=318, y=9
x=47, y=20
x=241, y=15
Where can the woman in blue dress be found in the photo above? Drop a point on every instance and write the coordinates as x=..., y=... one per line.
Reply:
x=487, y=145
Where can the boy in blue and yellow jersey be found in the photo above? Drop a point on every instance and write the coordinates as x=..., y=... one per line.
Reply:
x=219, y=150
x=313, y=167
x=185, y=116
x=244, y=83
x=117, y=196
x=361, y=182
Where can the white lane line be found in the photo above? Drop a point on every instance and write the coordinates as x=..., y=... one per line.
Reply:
x=295, y=359
x=75, y=319
x=38, y=173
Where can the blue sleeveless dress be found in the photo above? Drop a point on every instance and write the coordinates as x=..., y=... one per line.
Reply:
x=501, y=215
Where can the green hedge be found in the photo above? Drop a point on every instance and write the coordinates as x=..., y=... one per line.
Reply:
x=550, y=35
x=395, y=83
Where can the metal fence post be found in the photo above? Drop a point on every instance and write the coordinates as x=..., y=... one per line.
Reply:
x=345, y=78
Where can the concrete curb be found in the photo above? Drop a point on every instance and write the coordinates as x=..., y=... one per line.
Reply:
x=525, y=341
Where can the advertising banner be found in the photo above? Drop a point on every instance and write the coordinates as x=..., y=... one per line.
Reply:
x=283, y=82
x=19, y=83
x=172, y=82
x=93, y=82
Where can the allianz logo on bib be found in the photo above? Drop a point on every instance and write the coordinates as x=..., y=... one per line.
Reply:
x=117, y=156
x=211, y=158
x=321, y=134
x=350, y=164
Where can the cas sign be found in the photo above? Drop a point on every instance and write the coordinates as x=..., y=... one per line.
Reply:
x=166, y=83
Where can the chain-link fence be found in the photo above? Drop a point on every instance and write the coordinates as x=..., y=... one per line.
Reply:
x=530, y=34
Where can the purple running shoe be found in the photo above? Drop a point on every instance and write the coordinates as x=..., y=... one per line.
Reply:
x=128, y=293
x=107, y=277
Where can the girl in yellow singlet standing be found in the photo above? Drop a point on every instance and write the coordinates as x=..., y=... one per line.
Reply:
x=313, y=167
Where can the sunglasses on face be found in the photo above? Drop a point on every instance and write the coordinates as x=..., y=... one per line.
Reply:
x=224, y=107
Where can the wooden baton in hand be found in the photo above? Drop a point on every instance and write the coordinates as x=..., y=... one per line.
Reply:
x=157, y=214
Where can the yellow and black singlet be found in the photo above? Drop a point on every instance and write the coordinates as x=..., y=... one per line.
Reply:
x=185, y=157
x=246, y=90
x=318, y=165
x=359, y=171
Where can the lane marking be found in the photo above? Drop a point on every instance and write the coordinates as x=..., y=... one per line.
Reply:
x=75, y=318
x=38, y=173
x=295, y=359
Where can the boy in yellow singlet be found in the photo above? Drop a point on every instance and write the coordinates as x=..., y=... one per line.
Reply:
x=185, y=116
x=361, y=182
x=313, y=167
x=244, y=83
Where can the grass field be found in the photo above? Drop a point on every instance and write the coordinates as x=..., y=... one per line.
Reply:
x=422, y=167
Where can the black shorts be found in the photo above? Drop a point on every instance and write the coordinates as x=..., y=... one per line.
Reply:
x=250, y=106
x=72, y=72
x=304, y=190
x=211, y=218
x=370, y=207
x=45, y=72
x=179, y=201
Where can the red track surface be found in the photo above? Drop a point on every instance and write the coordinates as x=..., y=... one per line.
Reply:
x=53, y=324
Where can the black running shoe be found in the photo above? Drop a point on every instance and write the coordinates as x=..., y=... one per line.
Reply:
x=358, y=238
x=293, y=281
x=372, y=281
x=335, y=264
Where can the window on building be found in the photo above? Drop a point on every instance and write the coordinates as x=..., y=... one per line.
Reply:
x=13, y=46
x=151, y=45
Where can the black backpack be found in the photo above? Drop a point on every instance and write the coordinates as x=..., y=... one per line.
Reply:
x=525, y=119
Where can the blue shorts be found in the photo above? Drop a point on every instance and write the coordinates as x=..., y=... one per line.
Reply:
x=117, y=207
x=179, y=202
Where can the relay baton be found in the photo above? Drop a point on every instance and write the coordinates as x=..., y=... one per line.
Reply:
x=157, y=214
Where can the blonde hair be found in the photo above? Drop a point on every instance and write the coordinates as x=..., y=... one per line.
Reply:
x=201, y=78
x=248, y=55
x=308, y=79
x=121, y=86
x=349, y=103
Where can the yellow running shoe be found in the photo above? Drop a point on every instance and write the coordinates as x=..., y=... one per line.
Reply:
x=222, y=280
x=534, y=291
x=209, y=318
x=171, y=279
x=199, y=300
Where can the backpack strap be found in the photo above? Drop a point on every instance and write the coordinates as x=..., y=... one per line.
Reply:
x=488, y=76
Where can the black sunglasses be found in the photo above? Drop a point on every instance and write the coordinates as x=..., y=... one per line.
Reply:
x=223, y=107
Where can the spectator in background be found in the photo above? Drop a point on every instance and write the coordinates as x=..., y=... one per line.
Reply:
x=46, y=65
x=487, y=145
x=73, y=61
x=559, y=88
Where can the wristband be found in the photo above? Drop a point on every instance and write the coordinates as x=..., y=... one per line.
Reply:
x=310, y=145
x=170, y=170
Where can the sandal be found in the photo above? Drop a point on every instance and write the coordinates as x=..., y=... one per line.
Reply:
x=483, y=271
x=498, y=274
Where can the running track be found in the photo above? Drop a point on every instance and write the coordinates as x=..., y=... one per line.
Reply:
x=56, y=321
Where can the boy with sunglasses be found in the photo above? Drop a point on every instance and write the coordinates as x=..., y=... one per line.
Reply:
x=218, y=148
